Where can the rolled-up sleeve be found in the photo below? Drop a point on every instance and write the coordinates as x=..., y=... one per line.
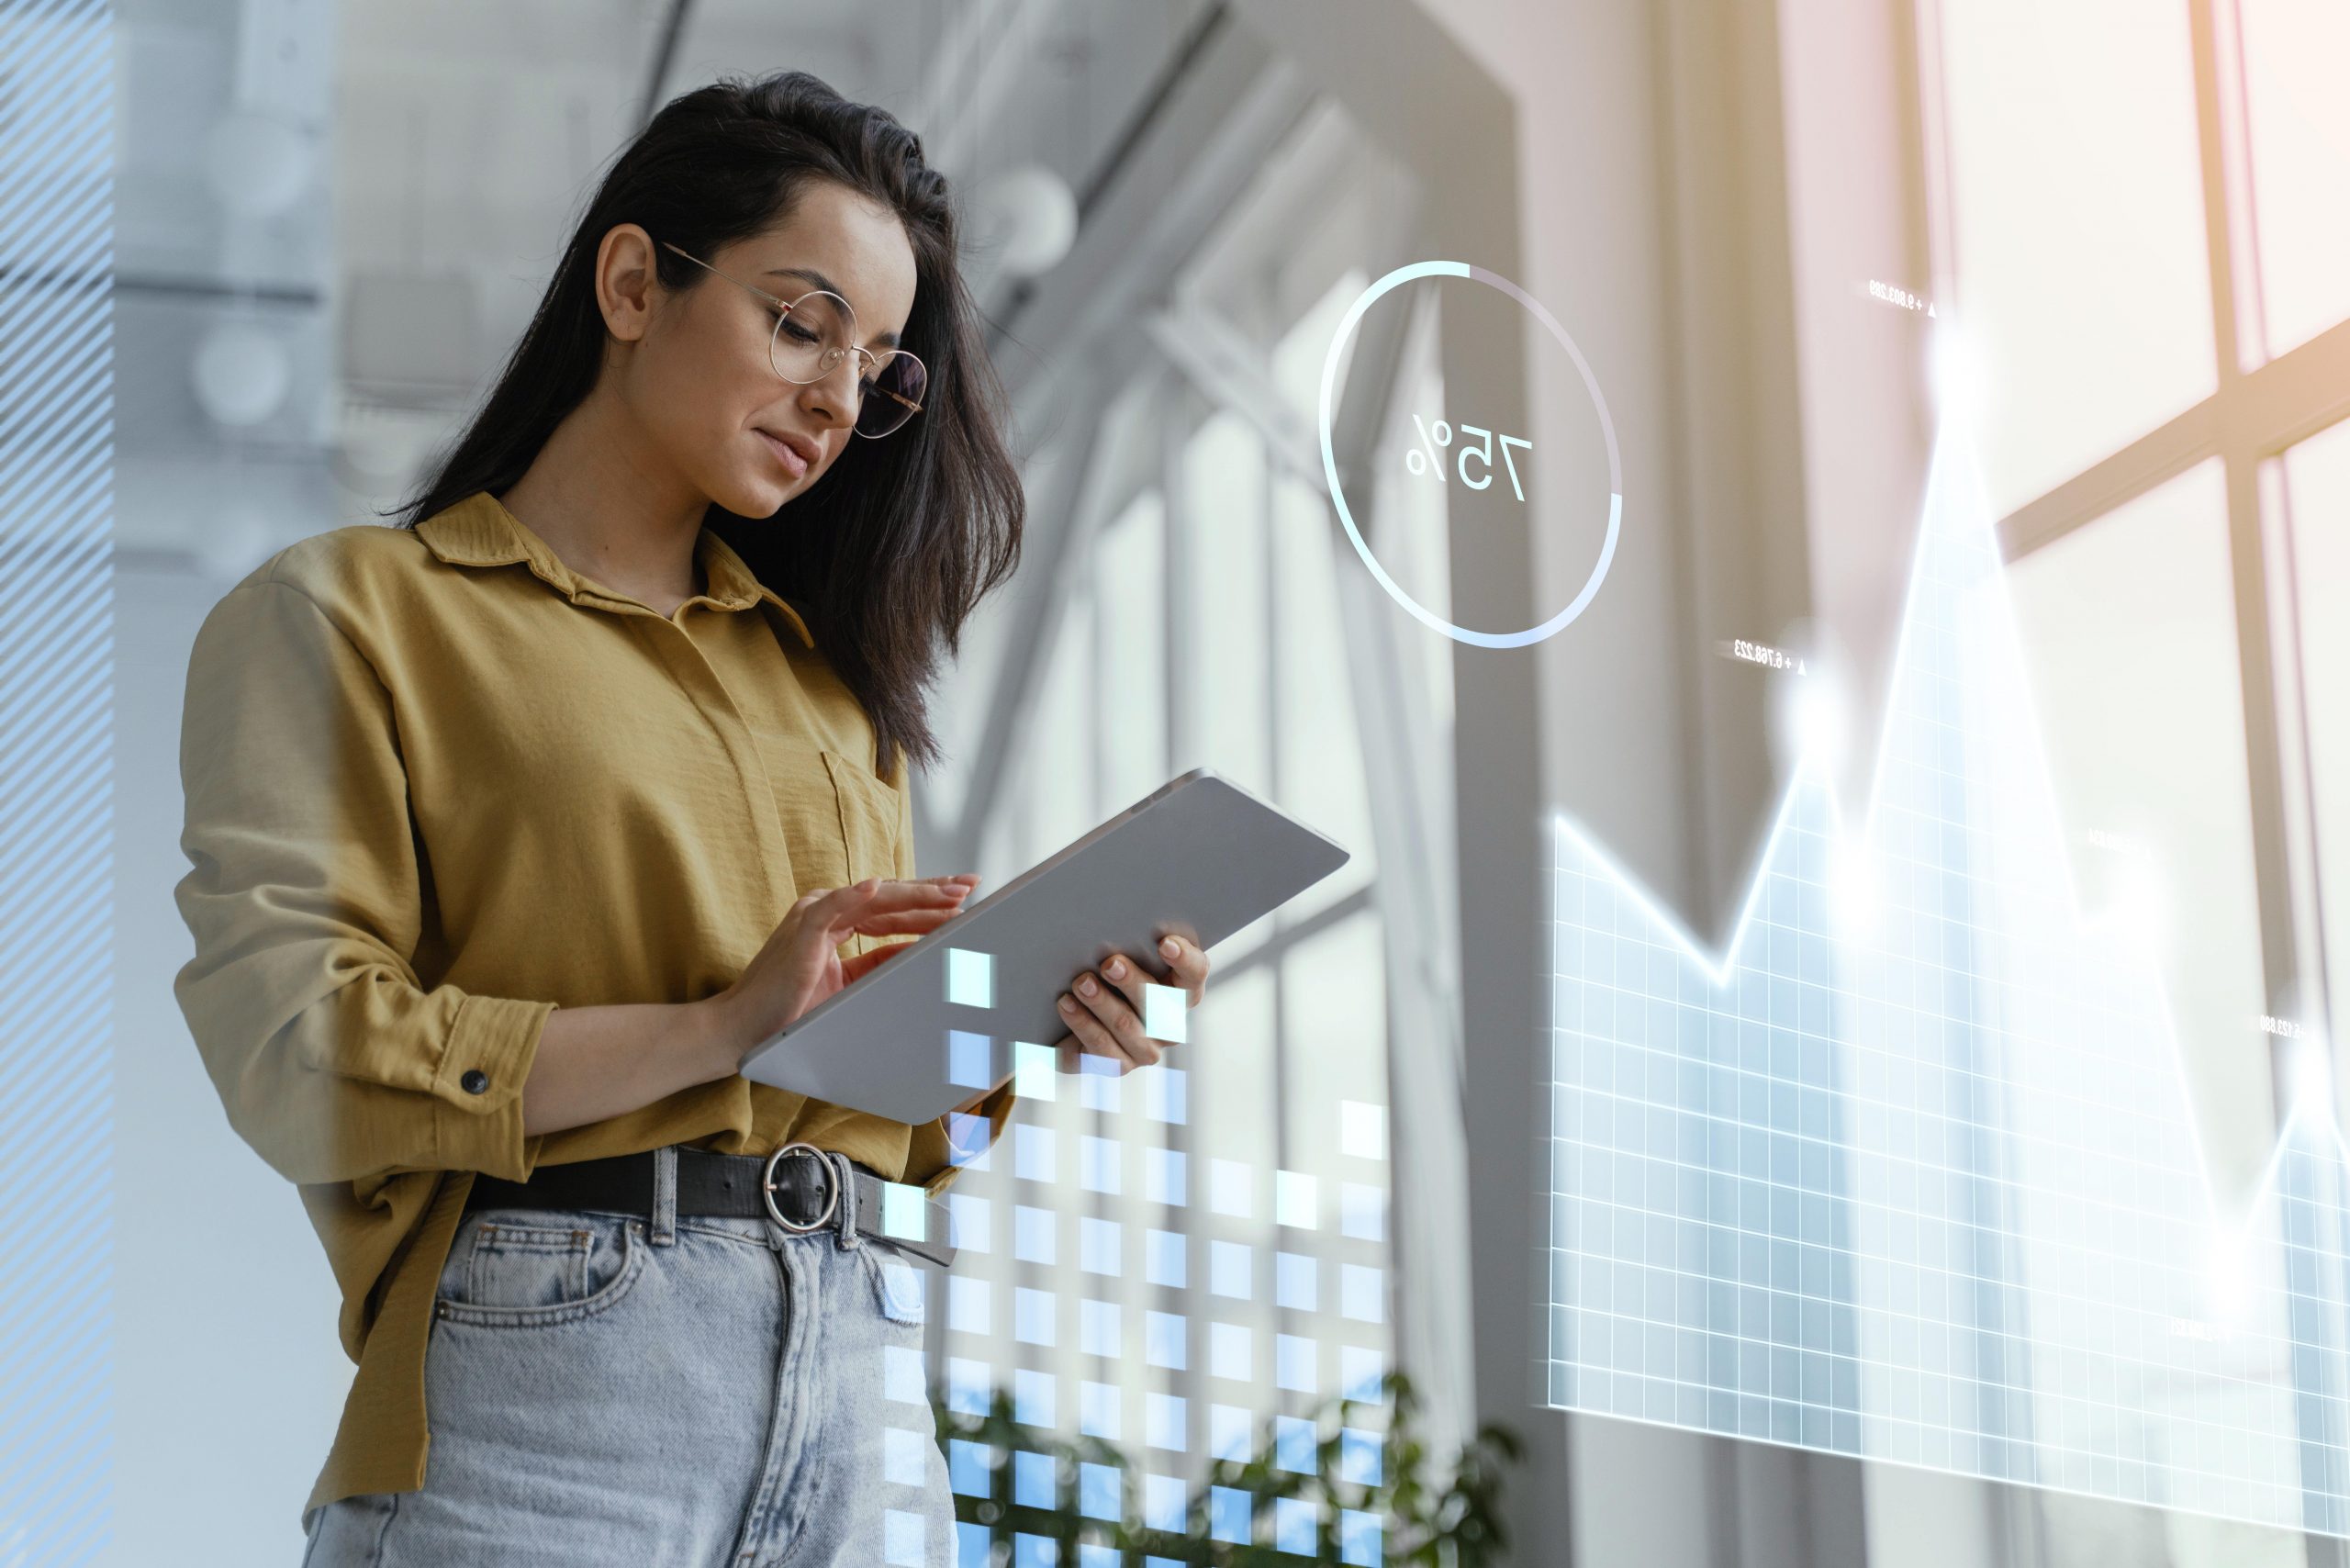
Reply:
x=306, y=901
x=941, y=1149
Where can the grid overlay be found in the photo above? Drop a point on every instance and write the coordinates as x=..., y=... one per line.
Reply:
x=1909, y=1171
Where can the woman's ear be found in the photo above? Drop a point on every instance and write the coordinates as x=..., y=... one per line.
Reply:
x=626, y=282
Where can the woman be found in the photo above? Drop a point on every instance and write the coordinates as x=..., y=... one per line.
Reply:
x=514, y=828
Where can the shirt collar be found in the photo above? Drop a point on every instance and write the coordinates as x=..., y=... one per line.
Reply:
x=479, y=531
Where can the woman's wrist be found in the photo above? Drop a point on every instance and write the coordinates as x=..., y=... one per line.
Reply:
x=716, y=1036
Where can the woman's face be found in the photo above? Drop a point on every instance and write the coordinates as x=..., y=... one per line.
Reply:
x=699, y=379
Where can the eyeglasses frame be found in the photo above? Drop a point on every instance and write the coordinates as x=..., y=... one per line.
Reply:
x=786, y=308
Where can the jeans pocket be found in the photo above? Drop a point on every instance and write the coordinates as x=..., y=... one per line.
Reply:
x=538, y=1268
x=898, y=1288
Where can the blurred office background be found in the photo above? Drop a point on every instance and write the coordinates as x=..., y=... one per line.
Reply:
x=333, y=218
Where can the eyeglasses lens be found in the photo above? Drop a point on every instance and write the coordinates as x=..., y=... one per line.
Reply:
x=891, y=395
x=812, y=338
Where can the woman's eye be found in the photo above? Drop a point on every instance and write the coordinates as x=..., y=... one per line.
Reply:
x=795, y=331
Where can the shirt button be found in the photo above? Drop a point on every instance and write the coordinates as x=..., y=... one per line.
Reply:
x=474, y=1080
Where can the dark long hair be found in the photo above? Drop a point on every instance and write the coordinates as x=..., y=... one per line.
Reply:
x=887, y=554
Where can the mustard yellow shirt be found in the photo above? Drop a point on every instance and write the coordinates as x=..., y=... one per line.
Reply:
x=439, y=785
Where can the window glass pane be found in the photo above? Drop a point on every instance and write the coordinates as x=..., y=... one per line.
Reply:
x=1334, y=1028
x=2129, y=633
x=2079, y=222
x=1129, y=571
x=1322, y=772
x=2318, y=475
x=2294, y=54
x=1225, y=494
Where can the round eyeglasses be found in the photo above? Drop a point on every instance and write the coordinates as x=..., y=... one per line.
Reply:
x=814, y=333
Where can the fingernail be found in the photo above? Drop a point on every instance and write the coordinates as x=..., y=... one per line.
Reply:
x=1068, y=1003
x=1115, y=968
x=1169, y=946
x=1086, y=985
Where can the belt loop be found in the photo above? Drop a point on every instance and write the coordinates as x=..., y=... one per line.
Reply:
x=847, y=1173
x=665, y=1195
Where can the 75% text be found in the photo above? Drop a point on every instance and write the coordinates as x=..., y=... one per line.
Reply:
x=1427, y=457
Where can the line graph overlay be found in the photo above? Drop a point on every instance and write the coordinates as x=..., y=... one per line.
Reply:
x=1909, y=1170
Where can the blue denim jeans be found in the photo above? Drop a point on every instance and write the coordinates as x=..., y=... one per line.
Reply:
x=670, y=1392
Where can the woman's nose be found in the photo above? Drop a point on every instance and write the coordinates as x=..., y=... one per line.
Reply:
x=832, y=399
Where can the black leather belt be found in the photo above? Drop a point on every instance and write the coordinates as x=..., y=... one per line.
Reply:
x=798, y=1186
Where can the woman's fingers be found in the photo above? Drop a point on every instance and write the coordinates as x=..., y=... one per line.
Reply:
x=1187, y=965
x=843, y=910
x=867, y=962
x=1104, y=1023
x=909, y=922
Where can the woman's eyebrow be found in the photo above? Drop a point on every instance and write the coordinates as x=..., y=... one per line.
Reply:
x=888, y=339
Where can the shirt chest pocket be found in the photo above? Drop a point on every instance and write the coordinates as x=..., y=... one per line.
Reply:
x=839, y=818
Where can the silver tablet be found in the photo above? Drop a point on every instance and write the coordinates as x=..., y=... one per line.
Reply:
x=1201, y=856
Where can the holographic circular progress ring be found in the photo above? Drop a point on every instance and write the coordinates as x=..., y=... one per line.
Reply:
x=1427, y=617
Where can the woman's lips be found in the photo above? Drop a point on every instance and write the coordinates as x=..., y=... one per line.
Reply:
x=793, y=463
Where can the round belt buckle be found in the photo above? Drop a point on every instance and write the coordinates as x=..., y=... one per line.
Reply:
x=831, y=1188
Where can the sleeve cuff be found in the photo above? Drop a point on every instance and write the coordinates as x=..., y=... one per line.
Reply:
x=491, y=1044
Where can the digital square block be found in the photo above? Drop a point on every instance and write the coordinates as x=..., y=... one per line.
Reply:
x=973, y=1225
x=1163, y=1337
x=1093, y=1554
x=1294, y=1526
x=1296, y=1282
x=1034, y=1233
x=1229, y=1267
x=1163, y=1258
x=973, y=1548
x=1099, y=1328
x=967, y=1140
x=1097, y=1492
x=1037, y=1161
x=969, y=1467
x=1035, y=1073
x=905, y=1211
x=905, y=1455
x=970, y=978
x=1100, y=1091
x=1362, y=1293
x=970, y=1058
x=1362, y=1211
x=1232, y=1351
x=1231, y=1187
x=1100, y=1246
x=1166, y=1013
x=1164, y=1089
x=1293, y=1443
x=1362, y=1129
x=1360, y=1538
x=1228, y=1514
x=1361, y=1457
x=1098, y=1413
x=1032, y=1397
x=1229, y=1428
x=1163, y=1422
x=1362, y=1370
x=1163, y=1502
x=1163, y=1176
x=1033, y=1482
x=1297, y=1200
x=908, y=1284
x=1032, y=1315
x=904, y=1539
x=1294, y=1362
x=970, y=1304
x=970, y=1386
x=1099, y=1161
x=1035, y=1552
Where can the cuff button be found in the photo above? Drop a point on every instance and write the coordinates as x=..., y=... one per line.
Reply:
x=474, y=1080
